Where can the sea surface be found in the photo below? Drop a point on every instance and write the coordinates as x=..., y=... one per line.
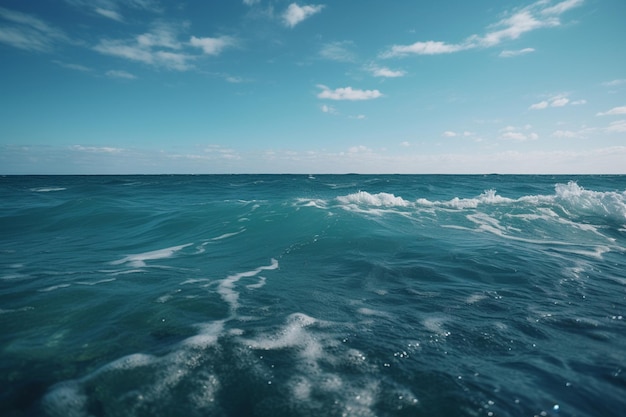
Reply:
x=287, y=295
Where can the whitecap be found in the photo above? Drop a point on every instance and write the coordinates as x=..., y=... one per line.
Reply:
x=377, y=200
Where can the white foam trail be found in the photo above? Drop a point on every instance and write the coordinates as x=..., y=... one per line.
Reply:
x=101, y=281
x=138, y=260
x=259, y=284
x=54, y=287
x=226, y=287
x=227, y=235
x=47, y=189
x=202, y=248
x=16, y=310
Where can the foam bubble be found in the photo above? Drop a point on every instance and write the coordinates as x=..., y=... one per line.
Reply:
x=125, y=363
x=209, y=334
x=66, y=400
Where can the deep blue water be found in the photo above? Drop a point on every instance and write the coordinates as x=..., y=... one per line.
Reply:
x=313, y=295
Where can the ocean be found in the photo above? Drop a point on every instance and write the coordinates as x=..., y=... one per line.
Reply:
x=319, y=295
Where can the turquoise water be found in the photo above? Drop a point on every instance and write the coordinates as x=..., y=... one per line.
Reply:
x=313, y=295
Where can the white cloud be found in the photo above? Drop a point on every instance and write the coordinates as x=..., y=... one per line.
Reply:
x=296, y=14
x=535, y=16
x=538, y=106
x=212, y=46
x=509, y=54
x=347, y=93
x=449, y=134
x=560, y=100
x=338, y=51
x=386, y=72
x=423, y=48
x=614, y=111
x=405, y=144
x=250, y=2
x=120, y=74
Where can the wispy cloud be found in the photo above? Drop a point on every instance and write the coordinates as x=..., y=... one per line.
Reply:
x=28, y=32
x=134, y=51
x=613, y=112
x=328, y=109
x=518, y=134
x=509, y=54
x=111, y=9
x=296, y=14
x=96, y=149
x=347, y=93
x=250, y=2
x=453, y=134
x=386, y=72
x=614, y=83
x=111, y=14
x=75, y=67
x=161, y=47
x=560, y=100
x=120, y=74
x=338, y=51
x=618, y=126
x=567, y=134
x=535, y=16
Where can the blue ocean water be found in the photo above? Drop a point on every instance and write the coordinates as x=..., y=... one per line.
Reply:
x=280, y=295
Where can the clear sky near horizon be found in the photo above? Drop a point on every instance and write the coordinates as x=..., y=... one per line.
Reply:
x=271, y=86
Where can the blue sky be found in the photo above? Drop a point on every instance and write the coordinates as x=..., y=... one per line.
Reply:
x=271, y=86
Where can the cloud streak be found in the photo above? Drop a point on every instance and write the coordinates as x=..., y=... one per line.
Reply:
x=519, y=52
x=528, y=19
x=27, y=32
x=613, y=112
